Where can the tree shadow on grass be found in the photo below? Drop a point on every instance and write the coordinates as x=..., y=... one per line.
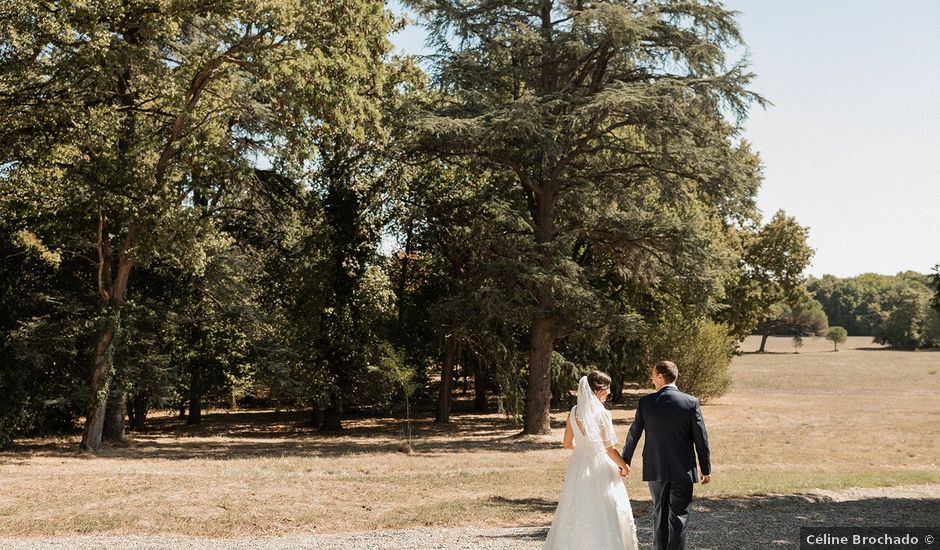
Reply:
x=251, y=434
x=888, y=348
x=775, y=521
x=524, y=504
x=241, y=434
x=761, y=521
x=532, y=534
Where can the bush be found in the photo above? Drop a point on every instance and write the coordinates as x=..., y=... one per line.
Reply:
x=702, y=350
x=930, y=335
x=836, y=335
x=903, y=316
x=797, y=343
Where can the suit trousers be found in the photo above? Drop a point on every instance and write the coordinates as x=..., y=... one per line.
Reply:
x=672, y=502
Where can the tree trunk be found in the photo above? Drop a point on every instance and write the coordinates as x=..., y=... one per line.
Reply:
x=131, y=414
x=195, y=412
x=447, y=380
x=112, y=287
x=332, y=418
x=195, y=399
x=763, y=342
x=100, y=382
x=537, y=420
x=481, y=386
x=408, y=416
x=115, y=412
x=111, y=291
x=538, y=392
x=138, y=407
x=616, y=386
x=316, y=416
x=340, y=331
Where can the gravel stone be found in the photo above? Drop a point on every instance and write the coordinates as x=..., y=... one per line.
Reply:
x=758, y=522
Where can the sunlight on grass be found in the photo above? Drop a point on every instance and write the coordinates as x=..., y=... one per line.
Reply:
x=817, y=420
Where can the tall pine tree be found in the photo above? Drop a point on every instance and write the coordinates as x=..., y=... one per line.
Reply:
x=612, y=117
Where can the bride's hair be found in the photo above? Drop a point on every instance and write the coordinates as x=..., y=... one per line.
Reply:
x=598, y=380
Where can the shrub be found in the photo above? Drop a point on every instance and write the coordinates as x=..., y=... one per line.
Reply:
x=836, y=335
x=797, y=343
x=702, y=350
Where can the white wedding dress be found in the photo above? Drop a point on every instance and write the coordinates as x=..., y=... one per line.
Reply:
x=594, y=510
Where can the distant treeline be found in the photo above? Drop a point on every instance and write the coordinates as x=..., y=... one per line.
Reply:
x=893, y=309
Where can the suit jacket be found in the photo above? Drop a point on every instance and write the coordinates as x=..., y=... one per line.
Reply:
x=674, y=425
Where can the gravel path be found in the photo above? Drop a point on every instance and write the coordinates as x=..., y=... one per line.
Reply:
x=723, y=524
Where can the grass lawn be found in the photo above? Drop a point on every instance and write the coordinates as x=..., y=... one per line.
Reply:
x=863, y=416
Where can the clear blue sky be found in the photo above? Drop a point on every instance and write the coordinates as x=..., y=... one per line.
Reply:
x=851, y=146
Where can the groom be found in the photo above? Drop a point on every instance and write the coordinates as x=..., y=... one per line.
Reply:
x=674, y=425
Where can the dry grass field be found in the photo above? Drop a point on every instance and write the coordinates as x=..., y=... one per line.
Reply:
x=860, y=417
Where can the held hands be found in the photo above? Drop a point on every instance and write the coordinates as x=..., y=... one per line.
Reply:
x=624, y=470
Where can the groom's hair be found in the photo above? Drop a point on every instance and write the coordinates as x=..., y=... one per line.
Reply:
x=668, y=369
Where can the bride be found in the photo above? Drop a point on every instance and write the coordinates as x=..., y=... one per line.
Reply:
x=594, y=510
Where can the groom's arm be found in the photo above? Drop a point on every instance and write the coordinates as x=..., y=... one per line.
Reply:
x=633, y=436
x=700, y=436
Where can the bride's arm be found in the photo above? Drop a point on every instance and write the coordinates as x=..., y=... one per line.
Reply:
x=618, y=460
x=569, y=433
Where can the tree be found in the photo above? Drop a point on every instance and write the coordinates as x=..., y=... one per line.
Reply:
x=701, y=348
x=391, y=365
x=836, y=335
x=852, y=302
x=797, y=342
x=770, y=271
x=351, y=191
x=894, y=309
x=608, y=118
x=903, y=314
x=105, y=107
x=461, y=246
x=804, y=318
x=935, y=281
x=38, y=341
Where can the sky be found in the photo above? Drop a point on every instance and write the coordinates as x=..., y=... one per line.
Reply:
x=851, y=144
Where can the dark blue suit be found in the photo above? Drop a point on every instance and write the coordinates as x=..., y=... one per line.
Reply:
x=675, y=433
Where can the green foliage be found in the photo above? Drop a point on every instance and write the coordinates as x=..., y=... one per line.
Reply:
x=565, y=376
x=301, y=219
x=130, y=136
x=852, y=302
x=895, y=310
x=41, y=328
x=903, y=314
x=804, y=318
x=702, y=349
x=836, y=335
x=769, y=272
x=604, y=126
x=393, y=367
x=935, y=282
x=930, y=331
x=797, y=343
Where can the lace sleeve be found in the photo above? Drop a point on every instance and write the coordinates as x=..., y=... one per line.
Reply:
x=607, y=430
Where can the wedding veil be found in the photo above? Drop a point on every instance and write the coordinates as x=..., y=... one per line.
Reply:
x=592, y=417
